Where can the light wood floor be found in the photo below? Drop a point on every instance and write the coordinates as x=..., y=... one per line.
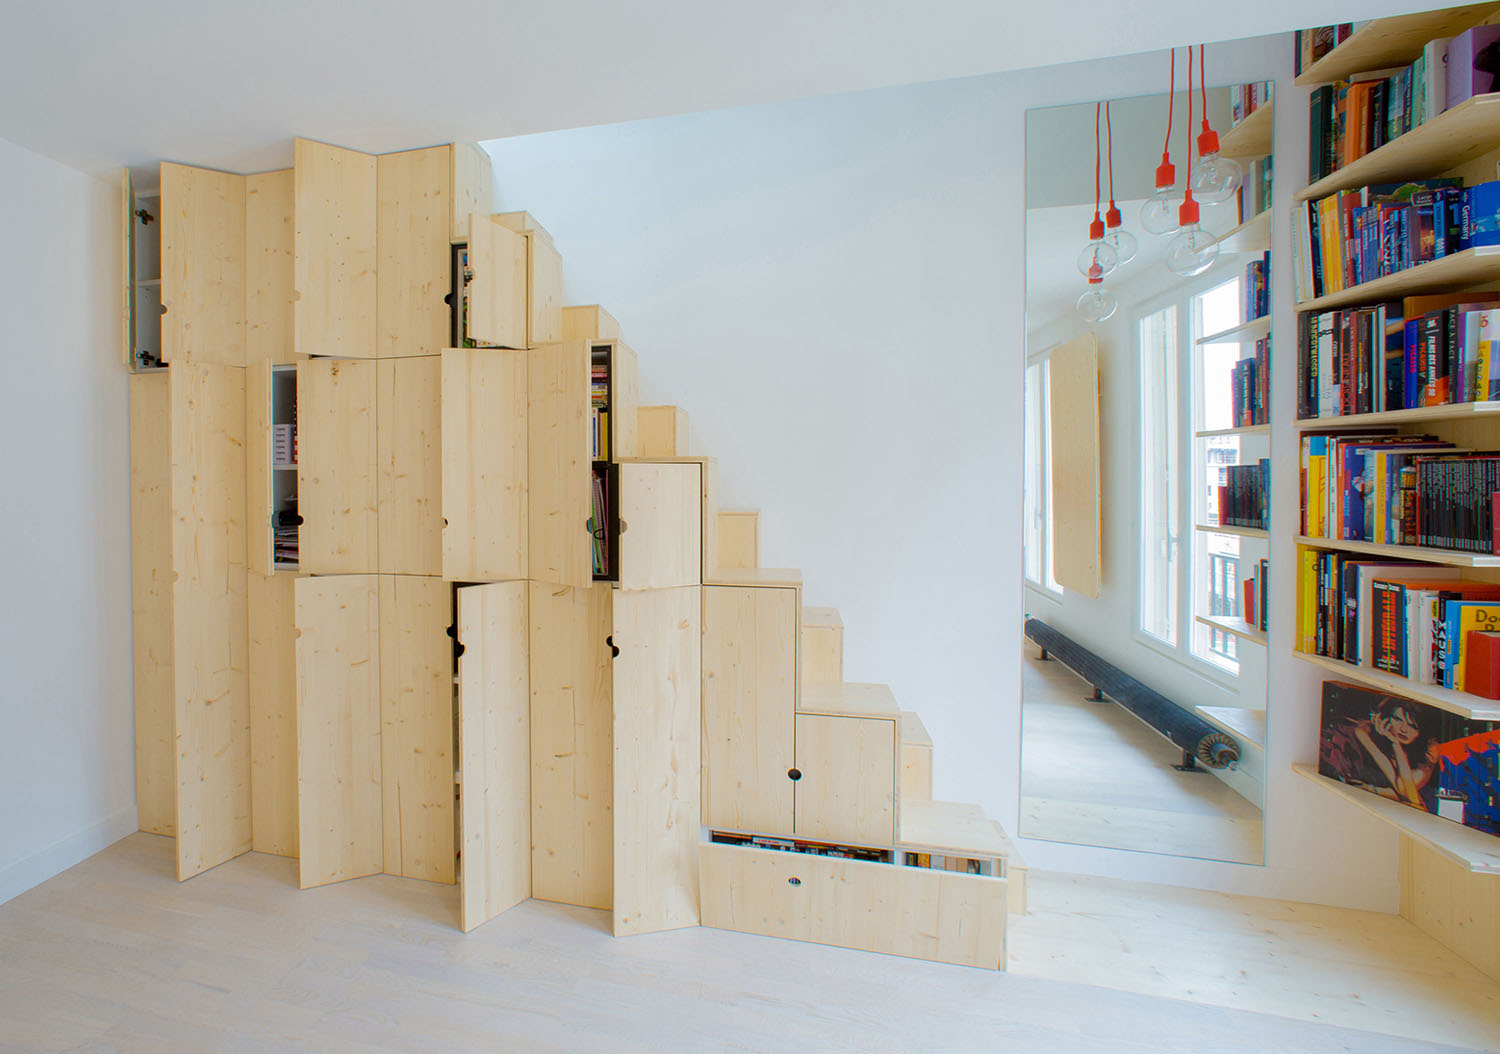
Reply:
x=1094, y=774
x=116, y=955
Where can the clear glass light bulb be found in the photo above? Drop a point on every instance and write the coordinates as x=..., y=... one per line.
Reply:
x=1097, y=259
x=1096, y=303
x=1215, y=178
x=1192, y=251
x=1159, y=213
x=1123, y=243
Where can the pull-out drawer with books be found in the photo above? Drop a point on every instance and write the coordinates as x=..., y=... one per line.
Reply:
x=872, y=899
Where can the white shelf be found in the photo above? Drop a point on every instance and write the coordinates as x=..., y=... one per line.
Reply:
x=1385, y=42
x=1251, y=138
x=285, y=468
x=1236, y=626
x=1448, y=557
x=1243, y=532
x=1252, y=236
x=1462, y=703
x=147, y=282
x=1416, y=415
x=1473, y=850
x=1248, y=331
x=1470, y=267
x=1237, y=721
x=1245, y=430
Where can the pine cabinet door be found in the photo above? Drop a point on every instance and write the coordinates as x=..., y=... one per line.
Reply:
x=203, y=266
x=335, y=251
x=484, y=485
x=273, y=713
x=560, y=499
x=340, y=833
x=416, y=726
x=336, y=466
x=494, y=751
x=270, y=266
x=847, y=790
x=749, y=705
x=496, y=284
x=661, y=525
x=657, y=759
x=572, y=756
x=409, y=436
x=413, y=215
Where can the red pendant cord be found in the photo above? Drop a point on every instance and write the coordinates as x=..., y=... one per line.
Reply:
x=1097, y=107
x=1203, y=86
x=1166, y=146
x=1109, y=146
x=1188, y=131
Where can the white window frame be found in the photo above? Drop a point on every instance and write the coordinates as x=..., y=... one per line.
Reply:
x=1048, y=585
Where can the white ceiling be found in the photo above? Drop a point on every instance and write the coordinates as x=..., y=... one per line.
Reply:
x=95, y=84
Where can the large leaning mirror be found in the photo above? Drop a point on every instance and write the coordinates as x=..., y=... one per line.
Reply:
x=1146, y=434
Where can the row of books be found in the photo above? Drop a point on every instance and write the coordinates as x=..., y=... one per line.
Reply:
x=1250, y=387
x=798, y=845
x=1430, y=350
x=599, y=405
x=600, y=525
x=1398, y=490
x=1310, y=45
x=284, y=547
x=1254, y=194
x=1356, y=236
x=965, y=865
x=1411, y=752
x=284, y=445
x=1245, y=99
x=1255, y=291
x=1253, y=603
x=1244, y=497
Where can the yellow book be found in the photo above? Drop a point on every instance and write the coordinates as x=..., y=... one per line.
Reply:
x=1308, y=609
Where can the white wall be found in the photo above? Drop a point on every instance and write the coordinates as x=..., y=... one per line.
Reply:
x=834, y=289
x=67, y=772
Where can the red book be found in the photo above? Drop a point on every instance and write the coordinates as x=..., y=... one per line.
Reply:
x=1495, y=523
x=1482, y=664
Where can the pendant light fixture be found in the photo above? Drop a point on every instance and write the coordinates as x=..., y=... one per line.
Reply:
x=1159, y=213
x=1096, y=303
x=1193, y=250
x=1214, y=178
x=1116, y=236
x=1097, y=258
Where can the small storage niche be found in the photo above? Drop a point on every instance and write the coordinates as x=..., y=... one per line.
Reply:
x=284, y=517
x=145, y=292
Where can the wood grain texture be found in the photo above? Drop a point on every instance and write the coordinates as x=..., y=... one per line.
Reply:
x=588, y=322
x=413, y=224
x=1074, y=415
x=417, y=727
x=657, y=760
x=270, y=267
x=494, y=751
x=339, y=831
x=661, y=431
x=847, y=792
x=739, y=538
x=749, y=705
x=661, y=521
x=497, y=288
x=152, y=633
x=273, y=713
x=572, y=754
x=544, y=289
x=484, y=487
x=337, y=475
x=938, y=915
x=624, y=399
x=203, y=265
x=335, y=256
x=916, y=760
x=1455, y=906
x=211, y=695
x=560, y=497
x=473, y=187
x=258, y=486
x=409, y=456
x=822, y=646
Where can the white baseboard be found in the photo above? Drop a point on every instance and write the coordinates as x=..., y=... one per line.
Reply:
x=17, y=878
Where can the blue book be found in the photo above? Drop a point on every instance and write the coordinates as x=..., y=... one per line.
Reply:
x=1481, y=223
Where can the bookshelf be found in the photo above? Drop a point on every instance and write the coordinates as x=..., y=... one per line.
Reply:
x=1461, y=703
x=1470, y=849
x=1241, y=334
x=1416, y=415
x=1237, y=721
x=1251, y=138
x=1430, y=149
x=1252, y=236
x=1394, y=41
x=1470, y=267
x=284, y=516
x=1419, y=553
x=1243, y=430
x=1237, y=627
x=1242, y=532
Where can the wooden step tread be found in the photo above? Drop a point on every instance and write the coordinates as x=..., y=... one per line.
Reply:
x=754, y=576
x=954, y=827
x=821, y=618
x=913, y=732
x=849, y=700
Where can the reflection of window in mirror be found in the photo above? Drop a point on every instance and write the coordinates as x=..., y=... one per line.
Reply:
x=1217, y=570
x=1036, y=544
x=1160, y=517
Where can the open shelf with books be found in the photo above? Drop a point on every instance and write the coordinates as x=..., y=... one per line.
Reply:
x=1426, y=554
x=1464, y=704
x=1473, y=850
x=1475, y=411
x=1252, y=236
x=1243, y=430
x=1382, y=43
x=605, y=519
x=1468, y=267
x=1245, y=331
x=284, y=518
x=1240, y=532
x=1250, y=137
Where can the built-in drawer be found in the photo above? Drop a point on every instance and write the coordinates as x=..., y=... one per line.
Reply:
x=872, y=905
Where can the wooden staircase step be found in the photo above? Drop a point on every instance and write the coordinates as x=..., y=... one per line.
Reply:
x=958, y=829
x=739, y=538
x=849, y=700
x=786, y=577
x=590, y=322
x=822, y=646
x=661, y=431
x=916, y=759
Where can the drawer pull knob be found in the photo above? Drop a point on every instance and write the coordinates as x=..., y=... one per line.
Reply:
x=794, y=881
x=794, y=774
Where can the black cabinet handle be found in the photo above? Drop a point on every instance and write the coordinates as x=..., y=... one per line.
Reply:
x=794, y=774
x=614, y=652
